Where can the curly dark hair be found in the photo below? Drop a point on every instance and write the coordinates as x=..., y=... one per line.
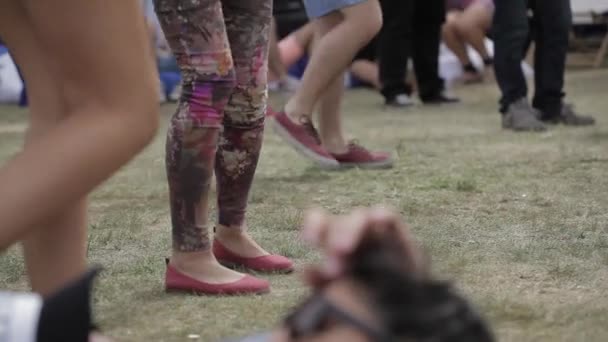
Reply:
x=412, y=306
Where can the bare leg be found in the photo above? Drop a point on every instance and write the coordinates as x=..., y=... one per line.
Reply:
x=366, y=71
x=452, y=38
x=472, y=26
x=305, y=35
x=346, y=32
x=330, y=118
x=276, y=68
x=84, y=125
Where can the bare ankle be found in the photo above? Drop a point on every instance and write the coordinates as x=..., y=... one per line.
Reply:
x=295, y=112
x=186, y=260
x=335, y=146
x=229, y=232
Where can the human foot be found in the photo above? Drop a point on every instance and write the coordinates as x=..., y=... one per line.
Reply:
x=303, y=137
x=237, y=239
x=359, y=156
x=234, y=247
x=201, y=273
x=203, y=266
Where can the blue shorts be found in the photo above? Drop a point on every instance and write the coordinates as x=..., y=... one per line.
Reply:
x=319, y=8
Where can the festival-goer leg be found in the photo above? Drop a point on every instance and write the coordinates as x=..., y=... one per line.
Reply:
x=54, y=252
x=393, y=58
x=428, y=18
x=474, y=22
x=367, y=71
x=248, y=27
x=343, y=32
x=275, y=63
x=80, y=123
x=196, y=33
x=351, y=29
x=510, y=35
x=554, y=20
x=330, y=118
x=452, y=39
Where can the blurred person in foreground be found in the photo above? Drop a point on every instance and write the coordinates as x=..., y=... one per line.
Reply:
x=374, y=285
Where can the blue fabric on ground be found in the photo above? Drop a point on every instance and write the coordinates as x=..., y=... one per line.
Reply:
x=170, y=80
x=297, y=70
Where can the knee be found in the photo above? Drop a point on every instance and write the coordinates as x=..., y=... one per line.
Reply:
x=135, y=114
x=465, y=26
x=147, y=113
x=448, y=28
x=141, y=112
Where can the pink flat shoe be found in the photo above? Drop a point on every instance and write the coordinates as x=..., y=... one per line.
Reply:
x=176, y=281
x=266, y=263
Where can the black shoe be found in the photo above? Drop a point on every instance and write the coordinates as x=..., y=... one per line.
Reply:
x=399, y=101
x=569, y=117
x=439, y=99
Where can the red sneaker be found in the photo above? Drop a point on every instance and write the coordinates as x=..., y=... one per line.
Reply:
x=304, y=138
x=175, y=281
x=266, y=263
x=359, y=156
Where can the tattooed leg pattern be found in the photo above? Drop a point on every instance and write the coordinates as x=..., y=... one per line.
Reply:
x=196, y=32
x=248, y=25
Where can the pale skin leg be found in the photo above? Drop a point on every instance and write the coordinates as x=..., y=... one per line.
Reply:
x=472, y=26
x=330, y=118
x=467, y=28
x=85, y=124
x=275, y=66
x=367, y=71
x=353, y=27
x=452, y=38
x=330, y=115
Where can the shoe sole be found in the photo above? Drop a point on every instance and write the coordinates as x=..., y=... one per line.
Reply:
x=235, y=266
x=369, y=166
x=201, y=293
x=325, y=163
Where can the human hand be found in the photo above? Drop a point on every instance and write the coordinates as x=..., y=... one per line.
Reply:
x=340, y=237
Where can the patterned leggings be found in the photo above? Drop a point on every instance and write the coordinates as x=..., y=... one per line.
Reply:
x=221, y=47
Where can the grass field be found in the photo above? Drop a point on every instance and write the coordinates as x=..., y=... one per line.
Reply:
x=519, y=221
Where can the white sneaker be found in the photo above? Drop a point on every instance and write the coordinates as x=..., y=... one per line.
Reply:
x=400, y=101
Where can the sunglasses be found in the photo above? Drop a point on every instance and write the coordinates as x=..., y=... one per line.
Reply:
x=317, y=313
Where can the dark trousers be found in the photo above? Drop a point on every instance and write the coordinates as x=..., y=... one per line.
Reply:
x=551, y=23
x=412, y=29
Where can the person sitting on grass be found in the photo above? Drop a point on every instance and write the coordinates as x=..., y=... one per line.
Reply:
x=374, y=285
x=467, y=23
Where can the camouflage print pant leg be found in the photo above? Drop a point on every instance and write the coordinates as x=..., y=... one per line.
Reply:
x=248, y=26
x=196, y=31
